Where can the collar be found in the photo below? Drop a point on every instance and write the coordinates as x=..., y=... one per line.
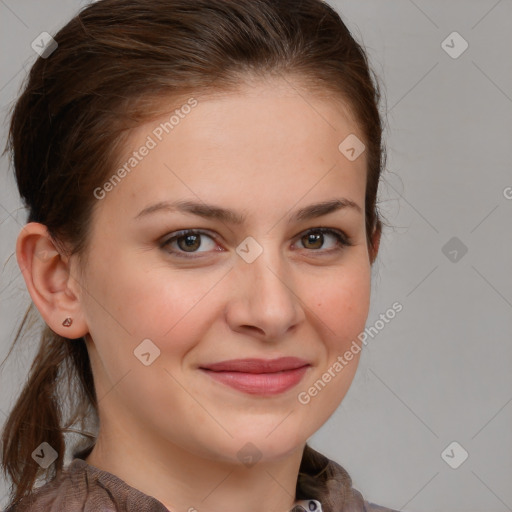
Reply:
x=307, y=505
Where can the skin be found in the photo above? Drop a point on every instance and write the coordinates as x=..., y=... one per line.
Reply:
x=168, y=429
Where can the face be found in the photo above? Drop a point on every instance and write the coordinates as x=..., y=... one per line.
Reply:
x=271, y=279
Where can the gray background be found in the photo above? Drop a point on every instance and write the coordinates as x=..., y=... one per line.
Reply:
x=440, y=371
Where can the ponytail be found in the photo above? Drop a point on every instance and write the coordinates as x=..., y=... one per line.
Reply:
x=38, y=414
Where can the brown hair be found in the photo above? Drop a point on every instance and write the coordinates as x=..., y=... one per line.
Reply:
x=114, y=63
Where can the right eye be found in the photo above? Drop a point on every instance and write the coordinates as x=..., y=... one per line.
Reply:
x=187, y=241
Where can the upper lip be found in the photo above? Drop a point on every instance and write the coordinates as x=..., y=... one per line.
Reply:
x=257, y=365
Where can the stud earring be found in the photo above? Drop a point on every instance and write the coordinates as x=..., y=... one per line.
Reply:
x=67, y=322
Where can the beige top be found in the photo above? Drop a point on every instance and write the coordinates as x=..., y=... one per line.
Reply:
x=80, y=487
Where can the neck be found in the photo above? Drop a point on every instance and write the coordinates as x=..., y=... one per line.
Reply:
x=185, y=481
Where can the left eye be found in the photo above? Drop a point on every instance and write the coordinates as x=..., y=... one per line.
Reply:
x=316, y=237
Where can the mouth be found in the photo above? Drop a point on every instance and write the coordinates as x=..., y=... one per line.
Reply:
x=259, y=376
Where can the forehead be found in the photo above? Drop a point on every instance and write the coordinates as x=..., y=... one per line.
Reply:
x=272, y=139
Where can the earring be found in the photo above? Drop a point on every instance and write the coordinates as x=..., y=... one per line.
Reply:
x=67, y=322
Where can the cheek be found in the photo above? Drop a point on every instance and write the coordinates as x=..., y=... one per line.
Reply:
x=341, y=307
x=130, y=303
x=142, y=300
x=342, y=304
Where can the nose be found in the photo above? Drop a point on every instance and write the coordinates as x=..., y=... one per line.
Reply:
x=264, y=301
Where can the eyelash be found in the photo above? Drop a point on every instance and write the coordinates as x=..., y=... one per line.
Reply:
x=341, y=238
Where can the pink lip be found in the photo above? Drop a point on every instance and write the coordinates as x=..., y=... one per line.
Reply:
x=259, y=376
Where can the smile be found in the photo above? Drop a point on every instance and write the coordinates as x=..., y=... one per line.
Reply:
x=260, y=383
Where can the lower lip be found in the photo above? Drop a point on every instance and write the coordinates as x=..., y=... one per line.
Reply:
x=260, y=383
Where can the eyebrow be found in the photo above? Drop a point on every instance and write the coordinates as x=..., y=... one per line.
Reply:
x=230, y=216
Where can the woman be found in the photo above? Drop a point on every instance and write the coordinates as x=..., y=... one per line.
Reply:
x=201, y=179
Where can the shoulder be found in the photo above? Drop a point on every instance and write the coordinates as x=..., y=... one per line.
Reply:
x=368, y=506
x=357, y=503
x=80, y=487
x=50, y=495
